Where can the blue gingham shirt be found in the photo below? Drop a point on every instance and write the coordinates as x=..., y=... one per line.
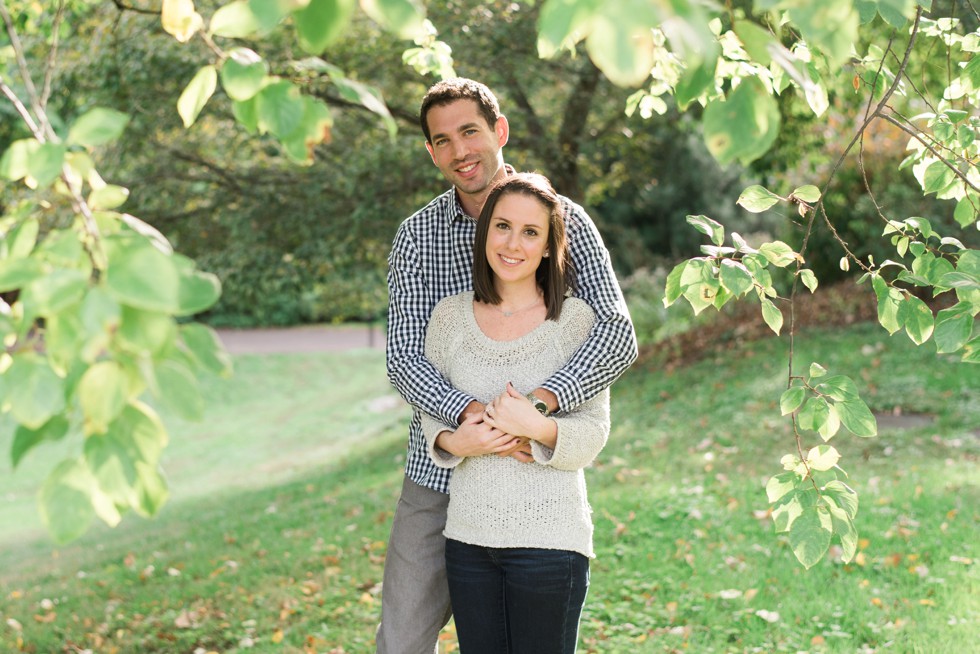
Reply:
x=432, y=258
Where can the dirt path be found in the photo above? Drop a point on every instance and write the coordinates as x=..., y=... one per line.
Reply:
x=307, y=338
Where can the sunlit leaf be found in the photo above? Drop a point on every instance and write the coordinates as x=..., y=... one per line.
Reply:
x=813, y=414
x=807, y=193
x=197, y=93
x=839, y=387
x=179, y=390
x=145, y=332
x=778, y=253
x=180, y=20
x=781, y=484
x=829, y=25
x=109, y=196
x=280, y=108
x=102, y=394
x=20, y=241
x=771, y=314
x=954, y=326
x=15, y=163
x=809, y=279
x=757, y=199
x=621, y=49
x=673, y=289
x=822, y=457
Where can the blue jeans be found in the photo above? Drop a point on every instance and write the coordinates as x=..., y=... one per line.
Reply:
x=516, y=600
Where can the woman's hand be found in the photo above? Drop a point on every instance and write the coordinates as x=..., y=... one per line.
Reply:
x=512, y=413
x=474, y=437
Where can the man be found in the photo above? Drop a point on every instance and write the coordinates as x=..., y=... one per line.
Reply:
x=431, y=258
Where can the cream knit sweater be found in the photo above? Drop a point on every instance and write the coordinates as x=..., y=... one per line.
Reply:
x=501, y=502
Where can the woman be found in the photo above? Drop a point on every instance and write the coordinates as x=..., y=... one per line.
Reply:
x=519, y=535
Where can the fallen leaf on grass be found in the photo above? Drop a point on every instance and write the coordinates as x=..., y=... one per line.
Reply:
x=961, y=559
x=44, y=619
x=13, y=624
x=768, y=616
x=277, y=636
x=730, y=593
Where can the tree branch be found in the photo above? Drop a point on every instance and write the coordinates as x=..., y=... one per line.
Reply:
x=121, y=6
x=928, y=146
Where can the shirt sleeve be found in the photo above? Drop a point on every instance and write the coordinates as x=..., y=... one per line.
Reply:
x=611, y=345
x=410, y=303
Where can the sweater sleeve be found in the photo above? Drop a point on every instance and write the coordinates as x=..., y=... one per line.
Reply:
x=436, y=345
x=583, y=431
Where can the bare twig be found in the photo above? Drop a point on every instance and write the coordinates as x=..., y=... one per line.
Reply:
x=49, y=64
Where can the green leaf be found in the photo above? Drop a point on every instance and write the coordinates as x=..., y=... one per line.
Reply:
x=621, y=49
x=145, y=332
x=25, y=439
x=562, y=23
x=843, y=526
x=843, y=496
x=197, y=290
x=771, y=314
x=809, y=279
x=822, y=457
x=18, y=273
x=280, y=109
x=816, y=370
x=808, y=193
x=97, y=127
x=857, y=417
x=136, y=436
x=735, y=277
x=205, y=348
x=243, y=74
x=831, y=425
x=779, y=254
x=20, y=241
x=830, y=26
x=813, y=414
x=938, y=177
x=743, y=126
x=102, y=395
x=143, y=277
x=791, y=399
x=46, y=163
x=151, y=489
x=404, y=18
x=673, y=289
x=919, y=321
x=196, y=94
x=891, y=305
x=368, y=97
x=756, y=40
x=247, y=114
x=321, y=22
x=179, y=390
x=34, y=391
x=694, y=83
x=839, y=387
x=781, y=484
x=56, y=291
x=234, y=20
x=787, y=509
x=66, y=500
x=809, y=536
x=954, y=326
x=709, y=227
x=967, y=209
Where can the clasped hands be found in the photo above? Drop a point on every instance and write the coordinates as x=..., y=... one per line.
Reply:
x=503, y=427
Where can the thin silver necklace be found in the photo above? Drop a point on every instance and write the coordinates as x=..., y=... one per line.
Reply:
x=508, y=314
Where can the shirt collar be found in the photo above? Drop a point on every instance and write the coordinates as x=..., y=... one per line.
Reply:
x=456, y=212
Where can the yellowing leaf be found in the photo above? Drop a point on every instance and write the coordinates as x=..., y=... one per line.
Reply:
x=180, y=19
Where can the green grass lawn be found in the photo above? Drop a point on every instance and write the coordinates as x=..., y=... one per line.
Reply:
x=274, y=537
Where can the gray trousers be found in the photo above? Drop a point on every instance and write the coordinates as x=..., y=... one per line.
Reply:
x=414, y=593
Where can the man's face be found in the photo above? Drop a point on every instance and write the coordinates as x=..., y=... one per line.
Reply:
x=465, y=149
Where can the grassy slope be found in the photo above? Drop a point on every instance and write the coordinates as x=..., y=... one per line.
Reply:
x=274, y=539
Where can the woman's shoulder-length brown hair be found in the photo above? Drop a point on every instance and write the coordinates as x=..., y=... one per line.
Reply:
x=556, y=274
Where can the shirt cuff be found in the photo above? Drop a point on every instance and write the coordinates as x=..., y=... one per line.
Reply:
x=452, y=406
x=567, y=389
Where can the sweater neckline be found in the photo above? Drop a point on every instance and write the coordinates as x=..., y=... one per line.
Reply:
x=539, y=332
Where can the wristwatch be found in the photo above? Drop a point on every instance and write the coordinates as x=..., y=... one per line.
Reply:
x=538, y=403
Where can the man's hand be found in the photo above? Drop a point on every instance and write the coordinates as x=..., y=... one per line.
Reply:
x=474, y=437
x=474, y=408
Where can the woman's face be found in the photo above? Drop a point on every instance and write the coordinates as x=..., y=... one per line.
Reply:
x=517, y=238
